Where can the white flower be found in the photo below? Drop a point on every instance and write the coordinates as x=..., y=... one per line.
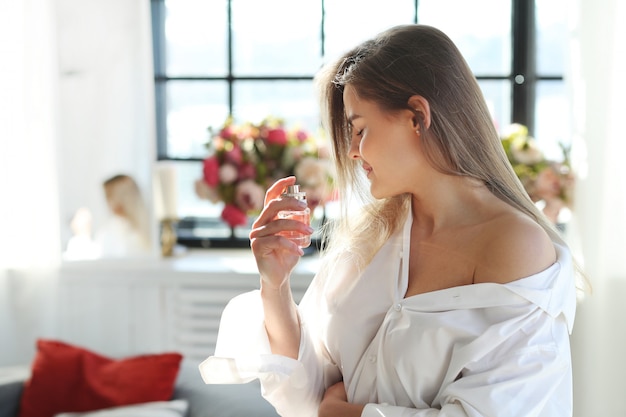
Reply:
x=313, y=175
x=205, y=192
x=515, y=130
x=526, y=151
x=228, y=174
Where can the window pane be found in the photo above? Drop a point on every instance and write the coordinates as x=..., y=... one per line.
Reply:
x=276, y=37
x=192, y=107
x=189, y=204
x=483, y=38
x=293, y=101
x=349, y=22
x=196, y=33
x=551, y=36
x=498, y=97
x=552, y=117
x=191, y=208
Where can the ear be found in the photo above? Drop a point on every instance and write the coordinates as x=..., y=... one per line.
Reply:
x=118, y=209
x=421, y=108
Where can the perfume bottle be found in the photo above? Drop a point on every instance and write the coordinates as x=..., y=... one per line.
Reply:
x=303, y=216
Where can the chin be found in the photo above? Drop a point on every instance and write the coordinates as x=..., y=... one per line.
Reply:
x=377, y=193
x=380, y=193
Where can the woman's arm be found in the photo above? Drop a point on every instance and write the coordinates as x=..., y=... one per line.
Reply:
x=335, y=403
x=276, y=257
x=281, y=319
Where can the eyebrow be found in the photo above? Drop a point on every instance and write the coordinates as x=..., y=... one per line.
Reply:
x=351, y=118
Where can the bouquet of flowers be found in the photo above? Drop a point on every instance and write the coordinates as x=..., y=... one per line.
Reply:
x=549, y=182
x=244, y=160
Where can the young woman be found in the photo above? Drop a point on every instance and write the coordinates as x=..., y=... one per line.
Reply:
x=447, y=294
x=126, y=233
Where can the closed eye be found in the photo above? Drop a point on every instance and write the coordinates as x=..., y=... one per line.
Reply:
x=354, y=132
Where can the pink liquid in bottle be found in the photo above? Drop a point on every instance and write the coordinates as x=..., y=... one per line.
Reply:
x=303, y=216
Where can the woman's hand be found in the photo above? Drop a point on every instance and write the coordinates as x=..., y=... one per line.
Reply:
x=335, y=403
x=276, y=256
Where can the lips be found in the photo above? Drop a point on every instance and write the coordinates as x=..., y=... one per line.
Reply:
x=367, y=168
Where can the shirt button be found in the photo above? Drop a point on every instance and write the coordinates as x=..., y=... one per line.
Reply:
x=372, y=359
x=397, y=307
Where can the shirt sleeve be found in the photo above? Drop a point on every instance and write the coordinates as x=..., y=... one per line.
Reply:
x=243, y=353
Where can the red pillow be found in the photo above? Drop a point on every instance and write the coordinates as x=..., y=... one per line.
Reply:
x=71, y=378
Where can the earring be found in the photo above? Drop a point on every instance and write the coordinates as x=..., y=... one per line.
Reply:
x=417, y=122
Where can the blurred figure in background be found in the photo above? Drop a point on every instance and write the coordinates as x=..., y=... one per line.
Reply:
x=81, y=245
x=127, y=231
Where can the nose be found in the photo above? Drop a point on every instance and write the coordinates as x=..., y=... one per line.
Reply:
x=353, y=151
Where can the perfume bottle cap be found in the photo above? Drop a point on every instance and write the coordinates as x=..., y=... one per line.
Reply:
x=295, y=192
x=293, y=189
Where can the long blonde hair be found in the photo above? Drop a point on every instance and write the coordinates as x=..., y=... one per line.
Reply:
x=124, y=198
x=461, y=140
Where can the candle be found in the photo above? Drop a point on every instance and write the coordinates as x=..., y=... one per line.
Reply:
x=168, y=188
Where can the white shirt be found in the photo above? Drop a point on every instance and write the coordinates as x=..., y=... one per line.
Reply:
x=477, y=350
x=118, y=239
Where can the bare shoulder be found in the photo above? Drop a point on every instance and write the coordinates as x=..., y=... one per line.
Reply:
x=513, y=246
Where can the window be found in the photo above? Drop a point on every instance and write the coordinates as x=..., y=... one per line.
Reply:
x=252, y=58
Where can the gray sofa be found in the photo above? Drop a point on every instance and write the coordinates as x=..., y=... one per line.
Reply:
x=243, y=400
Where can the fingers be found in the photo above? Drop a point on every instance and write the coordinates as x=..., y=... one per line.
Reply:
x=265, y=234
x=274, y=204
x=267, y=245
x=271, y=209
x=278, y=187
x=280, y=225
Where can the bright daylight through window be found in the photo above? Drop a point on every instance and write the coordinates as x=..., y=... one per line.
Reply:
x=256, y=59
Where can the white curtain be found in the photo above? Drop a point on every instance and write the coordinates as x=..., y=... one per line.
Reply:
x=598, y=85
x=28, y=174
x=29, y=226
x=76, y=105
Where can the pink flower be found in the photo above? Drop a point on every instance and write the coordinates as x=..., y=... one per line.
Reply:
x=226, y=132
x=235, y=155
x=302, y=136
x=247, y=171
x=249, y=196
x=210, y=171
x=249, y=157
x=234, y=216
x=277, y=137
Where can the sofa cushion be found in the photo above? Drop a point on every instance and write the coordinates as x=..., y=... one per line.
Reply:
x=175, y=408
x=10, y=393
x=68, y=378
x=217, y=400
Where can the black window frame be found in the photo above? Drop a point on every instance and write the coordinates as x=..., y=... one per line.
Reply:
x=523, y=81
x=523, y=77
